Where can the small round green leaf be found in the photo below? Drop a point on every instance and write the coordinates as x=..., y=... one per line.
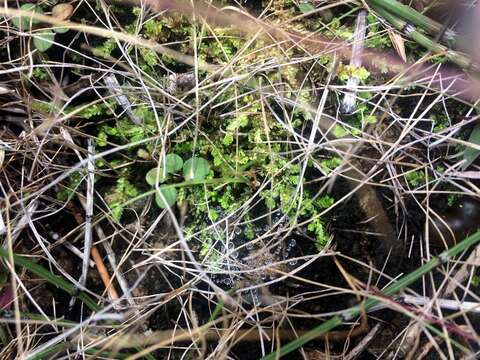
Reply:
x=166, y=196
x=44, y=40
x=151, y=177
x=173, y=163
x=306, y=7
x=195, y=168
x=23, y=22
x=60, y=30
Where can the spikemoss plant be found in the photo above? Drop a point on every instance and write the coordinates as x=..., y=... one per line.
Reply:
x=241, y=139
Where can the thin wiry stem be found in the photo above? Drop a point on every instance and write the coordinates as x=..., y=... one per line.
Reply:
x=87, y=246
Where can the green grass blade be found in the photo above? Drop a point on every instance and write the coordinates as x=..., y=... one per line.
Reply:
x=312, y=334
x=457, y=58
x=415, y=18
x=470, y=154
x=51, y=278
x=58, y=282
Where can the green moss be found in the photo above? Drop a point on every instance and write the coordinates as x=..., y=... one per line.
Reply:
x=330, y=164
x=40, y=74
x=247, y=154
x=136, y=11
x=249, y=231
x=452, y=199
x=416, y=178
x=363, y=116
x=42, y=107
x=321, y=236
x=347, y=71
x=97, y=110
x=153, y=29
x=106, y=48
x=220, y=46
x=150, y=57
x=339, y=131
x=213, y=215
x=239, y=138
x=440, y=122
x=123, y=191
x=376, y=37
x=125, y=131
x=338, y=29
x=72, y=185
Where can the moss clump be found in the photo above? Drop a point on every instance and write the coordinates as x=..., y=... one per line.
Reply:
x=241, y=134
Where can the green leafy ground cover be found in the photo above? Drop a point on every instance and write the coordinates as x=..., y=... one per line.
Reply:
x=231, y=146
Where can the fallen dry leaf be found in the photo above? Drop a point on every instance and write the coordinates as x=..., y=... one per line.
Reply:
x=398, y=43
x=62, y=11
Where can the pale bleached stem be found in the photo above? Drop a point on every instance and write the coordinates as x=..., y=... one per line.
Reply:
x=363, y=344
x=446, y=304
x=22, y=223
x=112, y=261
x=114, y=89
x=3, y=227
x=465, y=306
x=77, y=252
x=88, y=212
x=349, y=100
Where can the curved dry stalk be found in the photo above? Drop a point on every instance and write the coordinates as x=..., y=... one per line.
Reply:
x=165, y=338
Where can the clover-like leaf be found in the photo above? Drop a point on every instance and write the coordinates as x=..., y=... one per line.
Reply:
x=62, y=12
x=44, y=40
x=60, y=30
x=306, y=7
x=195, y=168
x=173, y=163
x=23, y=22
x=166, y=196
x=151, y=177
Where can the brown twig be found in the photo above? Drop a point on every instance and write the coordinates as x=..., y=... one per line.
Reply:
x=102, y=270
